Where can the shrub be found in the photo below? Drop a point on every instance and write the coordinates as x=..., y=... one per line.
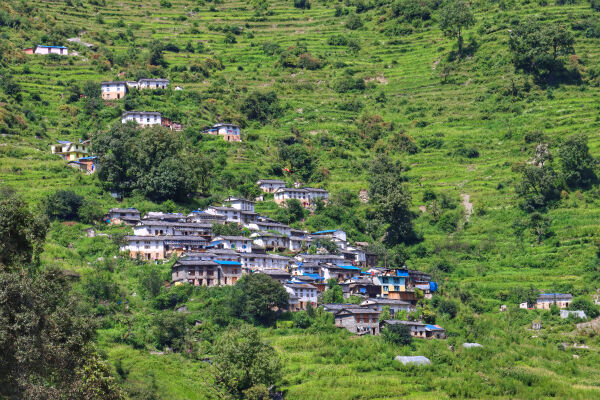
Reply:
x=448, y=307
x=581, y=303
x=261, y=106
x=307, y=61
x=348, y=83
x=230, y=38
x=63, y=205
x=302, y=4
x=354, y=22
x=270, y=48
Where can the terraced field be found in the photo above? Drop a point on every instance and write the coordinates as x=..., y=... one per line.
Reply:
x=482, y=104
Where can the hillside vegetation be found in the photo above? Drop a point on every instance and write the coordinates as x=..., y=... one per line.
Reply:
x=324, y=91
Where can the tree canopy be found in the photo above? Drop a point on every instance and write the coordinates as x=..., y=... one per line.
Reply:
x=577, y=164
x=455, y=16
x=243, y=361
x=152, y=161
x=537, y=46
x=256, y=298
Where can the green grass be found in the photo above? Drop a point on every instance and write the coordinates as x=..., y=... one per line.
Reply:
x=471, y=109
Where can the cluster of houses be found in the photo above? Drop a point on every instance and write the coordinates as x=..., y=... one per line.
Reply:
x=307, y=196
x=45, y=50
x=77, y=154
x=277, y=250
x=114, y=90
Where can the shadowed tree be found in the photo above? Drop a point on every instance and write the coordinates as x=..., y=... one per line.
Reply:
x=455, y=16
x=577, y=164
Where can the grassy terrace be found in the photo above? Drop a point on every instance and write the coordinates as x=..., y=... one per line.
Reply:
x=472, y=109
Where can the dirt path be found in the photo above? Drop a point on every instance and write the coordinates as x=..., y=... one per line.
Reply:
x=466, y=202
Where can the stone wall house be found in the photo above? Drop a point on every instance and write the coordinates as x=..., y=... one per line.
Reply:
x=358, y=320
x=142, y=118
x=147, y=83
x=305, y=292
x=282, y=195
x=545, y=300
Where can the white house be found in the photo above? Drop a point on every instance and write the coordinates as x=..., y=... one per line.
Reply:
x=143, y=118
x=316, y=193
x=238, y=243
x=204, y=217
x=147, y=83
x=339, y=272
x=270, y=241
x=333, y=234
x=156, y=227
x=320, y=258
x=270, y=226
x=282, y=195
x=270, y=185
x=240, y=204
x=113, y=90
x=306, y=293
x=231, y=214
x=61, y=50
x=256, y=261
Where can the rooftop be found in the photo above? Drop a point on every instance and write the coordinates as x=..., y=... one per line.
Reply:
x=126, y=113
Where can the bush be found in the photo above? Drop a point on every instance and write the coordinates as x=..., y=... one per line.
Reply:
x=448, y=307
x=270, y=48
x=307, y=61
x=63, y=205
x=261, y=106
x=354, y=22
x=348, y=83
x=302, y=4
x=581, y=303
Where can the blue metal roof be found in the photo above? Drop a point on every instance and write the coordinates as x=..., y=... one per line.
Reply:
x=434, y=328
x=349, y=267
x=89, y=158
x=314, y=276
x=327, y=231
x=52, y=47
x=64, y=142
x=404, y=274
x=433, y=286
x=222, y=262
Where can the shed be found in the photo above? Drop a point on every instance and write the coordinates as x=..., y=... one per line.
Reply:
x=417, y=360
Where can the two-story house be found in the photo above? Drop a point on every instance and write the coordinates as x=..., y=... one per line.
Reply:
x=128, y=216
x=305, y=292
x=270, y=185
x=238, y=243
x=113, y=90
x=142, y=118
x=149, y=83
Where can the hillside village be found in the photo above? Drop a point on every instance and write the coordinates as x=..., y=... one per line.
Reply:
x=299, y=200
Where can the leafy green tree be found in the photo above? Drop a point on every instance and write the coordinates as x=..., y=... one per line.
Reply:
x=577, y=164
x=152, y=160
x=261, y=7
x=295, y=210
x=24, y=233
x=302, y=4
x=539, y=225
x=243, y=362
x=448, y=307
x=392, y=200
x=227, y=229
x=302, y=163
x=152, y=282
x=63, y=205
x=45, y=338
x=582, y=303
x=261, y=106
x=398, y=334
x=354, y=22
x=537, y=46
x=91, y=90
x=454, y=17
x=539, y=186
x=90, y=212
x=256, y=298
x=333, y=294
x=230, y=38
x=155, y=56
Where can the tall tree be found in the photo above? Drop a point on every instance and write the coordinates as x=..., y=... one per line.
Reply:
x=243, y=361
x=455, y=16
x=257, y=297
x=538, y=187
x=577, y=164
x=537, y=46
x=152, y=160
x=392, y=199
x=23, y=233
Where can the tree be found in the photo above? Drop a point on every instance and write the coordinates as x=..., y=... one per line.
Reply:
x=537, y=46
x=539, y=225
x=295, y=210
x=170, y=331
x=392, y=200
x=333, y=294
x=539, y=187
x=155, y=56
x=227, y=229
x=45, y=338
x=153, y=161
x=90, y=212
x=261, y=7
x=398, y=334
x=261, y=106
x=301, y=162
x=455, y=16
x=302, y=4
x=354, y=22
x=243, y=361
x=256, y=298
x=577, y=164
x=582, y=303
x=26, y=231
x=63, y=205
x=448, y=307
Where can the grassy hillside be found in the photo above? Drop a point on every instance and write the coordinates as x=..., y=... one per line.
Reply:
x=460, y=126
